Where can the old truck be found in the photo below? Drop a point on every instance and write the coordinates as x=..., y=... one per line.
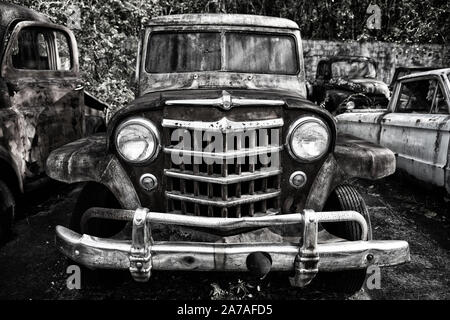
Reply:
x=222, y=149
x=416, y=126
x=348, y=82
x=41, y=101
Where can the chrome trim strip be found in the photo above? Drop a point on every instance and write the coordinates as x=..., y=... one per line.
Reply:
x=225, y=155
x=218, y=179
x=224, y=224
x=224, y=125
x=226, y=101
x=204, y=200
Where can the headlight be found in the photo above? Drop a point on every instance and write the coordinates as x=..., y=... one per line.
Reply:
x=308, y=139
x=137, y=140
x=350, y=105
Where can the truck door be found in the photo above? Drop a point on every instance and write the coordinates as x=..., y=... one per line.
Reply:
x=40, y=67
x=418, y=129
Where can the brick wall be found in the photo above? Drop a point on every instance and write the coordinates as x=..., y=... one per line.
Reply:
x=388, y=55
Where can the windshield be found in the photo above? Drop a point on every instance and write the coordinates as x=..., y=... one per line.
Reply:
x=203, y=51
x=353, y=69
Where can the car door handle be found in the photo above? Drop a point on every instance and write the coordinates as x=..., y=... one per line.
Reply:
x=78, y=88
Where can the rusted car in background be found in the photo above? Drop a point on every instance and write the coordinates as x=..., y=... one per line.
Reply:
x=237, y=83
x=416, y=126
x=41, y=101
x=348, y=82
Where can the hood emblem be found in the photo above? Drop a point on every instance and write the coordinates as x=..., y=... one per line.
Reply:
x=226, y=100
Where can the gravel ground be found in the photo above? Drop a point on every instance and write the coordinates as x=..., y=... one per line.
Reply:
x=31, y=267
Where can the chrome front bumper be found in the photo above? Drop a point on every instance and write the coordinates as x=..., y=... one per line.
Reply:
x=142, y=254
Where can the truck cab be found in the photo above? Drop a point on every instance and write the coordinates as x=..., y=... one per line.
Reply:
x=41, y=101
x=222, y=144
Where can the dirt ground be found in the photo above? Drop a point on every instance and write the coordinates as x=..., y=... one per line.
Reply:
x=32, y=268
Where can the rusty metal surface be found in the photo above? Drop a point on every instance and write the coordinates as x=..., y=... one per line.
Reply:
x=363, y=159
x=421, y=142
x=88, y=159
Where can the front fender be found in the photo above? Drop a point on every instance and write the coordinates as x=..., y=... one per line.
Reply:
x=362, y=159
x=88, y=160
x=352, y=158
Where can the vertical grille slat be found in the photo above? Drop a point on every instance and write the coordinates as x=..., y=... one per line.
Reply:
x=196, y=170
x=238, y=172
x=210, y=170
x=236, y=184
x=210, y=191
x=264, y=141
x=183, y=189
x=251, y=166
x=224, y=171
x=277, y=186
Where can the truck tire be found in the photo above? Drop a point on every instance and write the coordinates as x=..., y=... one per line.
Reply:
x=96, y=195
x=7, y=211
x=346, y=197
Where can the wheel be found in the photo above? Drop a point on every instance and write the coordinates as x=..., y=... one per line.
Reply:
x=345, y=197
x=7, y=211
x=96, y=195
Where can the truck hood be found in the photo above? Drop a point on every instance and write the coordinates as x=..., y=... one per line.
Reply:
x=362, y=85
x=159, y=100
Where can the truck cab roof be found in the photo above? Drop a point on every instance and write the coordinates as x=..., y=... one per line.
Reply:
x=10, y=14
x=224, y=19
x=436, y=72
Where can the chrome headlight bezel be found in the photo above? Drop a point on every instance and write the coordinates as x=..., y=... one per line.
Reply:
x=298, y=123
x=153, y=130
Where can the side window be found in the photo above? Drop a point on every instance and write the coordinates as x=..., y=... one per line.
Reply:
x=321, y=70
x=440, y=105
x=64, y=61
x=41, y=49
x=416, y=96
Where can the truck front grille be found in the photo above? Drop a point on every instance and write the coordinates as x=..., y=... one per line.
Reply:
x=239, y=186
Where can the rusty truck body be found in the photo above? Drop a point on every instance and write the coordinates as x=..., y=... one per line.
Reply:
x=416, y=125
x=222, y=145
x=41, y=100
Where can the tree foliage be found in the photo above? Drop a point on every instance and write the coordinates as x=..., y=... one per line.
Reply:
x=108, y=38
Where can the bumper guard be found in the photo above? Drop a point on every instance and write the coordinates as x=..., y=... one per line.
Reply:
x=142, y=254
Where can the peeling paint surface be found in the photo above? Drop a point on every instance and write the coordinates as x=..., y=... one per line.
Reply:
x=41, y=119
